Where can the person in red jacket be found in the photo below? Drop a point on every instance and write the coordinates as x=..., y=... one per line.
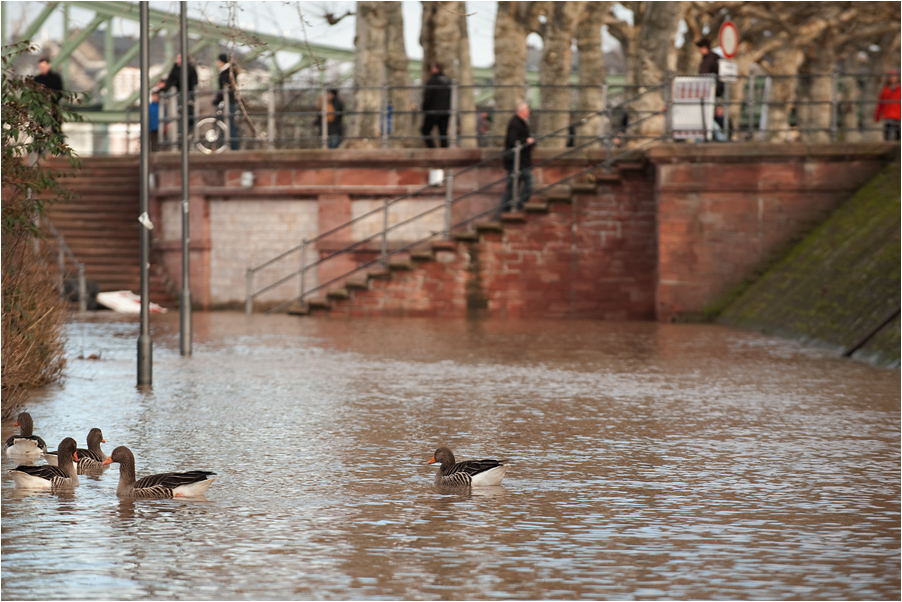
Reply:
x=888, y=107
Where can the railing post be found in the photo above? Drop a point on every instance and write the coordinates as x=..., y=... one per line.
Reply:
x=249, y=289
x=383, y=116
x=324, y=117
x=384, y=250
x=834, y=105
x=61, y=261
x=668, y=106
x=449, y=194
x=515, y=198
x=455, y=116
x=227, y=119
x=750, y=102
x=82, y=289
x=271, y=118
x=303, y=267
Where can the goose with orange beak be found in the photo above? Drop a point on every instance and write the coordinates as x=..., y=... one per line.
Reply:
x=55, y=478
x=160, y=486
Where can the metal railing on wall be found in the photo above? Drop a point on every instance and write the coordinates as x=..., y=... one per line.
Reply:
x=64, y=257
x=826, y=107
x=299, y=254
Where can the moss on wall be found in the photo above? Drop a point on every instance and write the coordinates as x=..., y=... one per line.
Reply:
x=840, y=282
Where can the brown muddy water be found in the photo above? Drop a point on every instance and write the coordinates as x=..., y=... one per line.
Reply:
x=651, y=461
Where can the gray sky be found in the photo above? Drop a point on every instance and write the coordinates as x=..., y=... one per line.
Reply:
x=282, y=18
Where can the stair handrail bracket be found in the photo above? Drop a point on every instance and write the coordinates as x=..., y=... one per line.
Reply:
x=608, y=140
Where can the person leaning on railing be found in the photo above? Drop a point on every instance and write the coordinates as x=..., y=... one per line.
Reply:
x=888, y=107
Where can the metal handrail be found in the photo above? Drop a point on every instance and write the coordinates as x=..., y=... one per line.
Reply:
x=64, y=252
x=251, y=272
x=302, y=111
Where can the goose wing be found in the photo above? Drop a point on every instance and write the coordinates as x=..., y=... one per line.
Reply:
x=171, y=480
x=88, y=454
x=14, y=438
x=44, y=471
x=473, y=467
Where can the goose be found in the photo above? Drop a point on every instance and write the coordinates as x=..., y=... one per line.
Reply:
x=90, y=461
x=25, y=443
x=166, y=485
x=471, y=473
x=56, y=478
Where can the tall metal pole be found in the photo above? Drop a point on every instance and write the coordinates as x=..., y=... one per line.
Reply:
x=185, y=296
x=145, y=343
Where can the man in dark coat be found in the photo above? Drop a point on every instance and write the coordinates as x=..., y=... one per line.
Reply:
x=228, y=81
x=174, y=81
x=436, y=106
x=53, y=82
x=518, y=131
x=709, y=63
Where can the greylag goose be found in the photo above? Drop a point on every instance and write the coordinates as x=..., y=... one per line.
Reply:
x=25, y=443
x=166, y=485
x=56, y=478
x=471, y=473
x=90, y=461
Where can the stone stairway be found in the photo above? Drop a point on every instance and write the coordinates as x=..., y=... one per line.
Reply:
x=101, y=228
x=562, y=256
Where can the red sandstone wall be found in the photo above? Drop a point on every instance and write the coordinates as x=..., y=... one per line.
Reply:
x=658, y=243
x=725, y=209
x=594, y=258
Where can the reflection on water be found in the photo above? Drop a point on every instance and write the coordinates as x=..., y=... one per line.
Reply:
x=649, y=461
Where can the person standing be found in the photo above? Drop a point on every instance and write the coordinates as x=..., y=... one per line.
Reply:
x=709, y=64
x=153, y=121
x=518, y=131
x=888, y=107
x=174, y=81
x=228, y=82
x=436, y=106
x=334, y=112
x=54, y=83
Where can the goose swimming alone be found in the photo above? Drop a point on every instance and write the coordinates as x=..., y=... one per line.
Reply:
x=165, y=485
x=25, y=443
x=56, y=478
x=471, y=473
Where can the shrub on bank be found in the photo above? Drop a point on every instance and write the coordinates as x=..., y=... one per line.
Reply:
x=33, y=313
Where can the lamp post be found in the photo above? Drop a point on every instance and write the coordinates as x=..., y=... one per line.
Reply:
x=185, y=296
x=145, y=343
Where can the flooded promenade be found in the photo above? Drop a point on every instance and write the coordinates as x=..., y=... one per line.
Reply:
x=650, y=461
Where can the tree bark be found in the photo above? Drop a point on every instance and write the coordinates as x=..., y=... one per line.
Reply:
x=511, y=31
x=592, y=73
x=557, y=53
x=466, y=95
x=400, y=95
x=654, y=55
x=369, y=75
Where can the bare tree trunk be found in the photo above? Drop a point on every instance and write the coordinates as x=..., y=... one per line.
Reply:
x=815, y=114
x=398, y=78
x=851, y=95
x=654, y=52
x=591, y=70
x=510, y=62
x=555, y=71
x=369, y=74
x=786, y=63
x=465, y=93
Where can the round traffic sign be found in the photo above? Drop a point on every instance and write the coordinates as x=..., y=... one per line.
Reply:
x=729, y=39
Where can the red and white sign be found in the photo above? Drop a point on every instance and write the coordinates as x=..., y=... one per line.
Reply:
x=729, y=39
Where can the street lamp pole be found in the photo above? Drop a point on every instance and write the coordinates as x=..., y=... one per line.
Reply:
x=185, y=296
x=145, y=343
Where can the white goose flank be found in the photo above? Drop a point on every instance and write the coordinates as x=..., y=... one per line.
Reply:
x=56, y=478
x=160, y=486
x=470, y=473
